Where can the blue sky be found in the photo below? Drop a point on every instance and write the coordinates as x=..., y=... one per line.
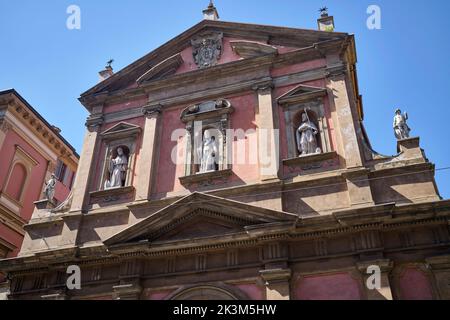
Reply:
x=405, y=64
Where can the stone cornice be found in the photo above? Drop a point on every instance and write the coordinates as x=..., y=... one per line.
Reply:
x=212, y=93
x=94, y=122
x=310, y=228
x=17, y=108
x=210, y=74
x=151, y=110
x=209, y=93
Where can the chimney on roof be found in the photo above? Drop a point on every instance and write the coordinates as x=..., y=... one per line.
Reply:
x=107, y=72
x=325, y=22
x=211, y=13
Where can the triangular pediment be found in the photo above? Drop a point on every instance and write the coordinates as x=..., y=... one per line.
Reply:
x=121, y=129
x=162, y=61
x=198, y=216
x=301, y=94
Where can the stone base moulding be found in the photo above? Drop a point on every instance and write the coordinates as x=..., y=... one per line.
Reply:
x=205, y=178
x=310, y=159
x=44, y=204
x=112, y=195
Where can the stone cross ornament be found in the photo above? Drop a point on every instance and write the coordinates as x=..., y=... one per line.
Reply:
x=401, y=128
x=207, y=50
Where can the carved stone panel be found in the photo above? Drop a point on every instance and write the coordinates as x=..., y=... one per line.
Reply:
x=207, y=49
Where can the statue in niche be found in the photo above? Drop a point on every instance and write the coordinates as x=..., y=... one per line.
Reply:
x=49, y=190
x=117, y=170
x=209, y=153
x=306, y=137
x=401, y=128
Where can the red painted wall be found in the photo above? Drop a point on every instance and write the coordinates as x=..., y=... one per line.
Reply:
x=33, y=189
x=168, y=173
x=253, y=291
x=339, y=286
x=414, y=285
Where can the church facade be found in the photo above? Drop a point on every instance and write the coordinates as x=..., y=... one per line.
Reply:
x=232, y=163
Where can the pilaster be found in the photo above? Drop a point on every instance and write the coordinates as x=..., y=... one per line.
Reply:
x=385, y=291
x=268, y=133
x=358, y=187
x=277, y=283
x=342, y=114
x=81, y=184
x=146, y=165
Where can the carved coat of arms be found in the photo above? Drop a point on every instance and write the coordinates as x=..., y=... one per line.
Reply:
x=207, y=49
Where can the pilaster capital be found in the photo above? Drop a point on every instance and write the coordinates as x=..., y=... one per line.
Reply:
x=271, y=276
x=151, y=110
x=336, y=70
x=263, y=86
x=385, y=265
x=94, y=122
x=130, y=291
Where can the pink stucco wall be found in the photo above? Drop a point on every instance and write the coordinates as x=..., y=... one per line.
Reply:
x=414, y=285
x=168, y=172
x=13, y=237
x=253, y=291
x=156, y=295
x=32, y=191
x=33, y=188
x=299, y=67
x=339, y=286
x=125, y=105
x=228, y=55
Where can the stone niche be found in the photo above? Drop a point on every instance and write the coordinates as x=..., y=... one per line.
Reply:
x=309, y=100
x=121, y=136
x=213, y=116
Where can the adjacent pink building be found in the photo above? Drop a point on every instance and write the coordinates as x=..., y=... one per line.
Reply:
x=31, y=150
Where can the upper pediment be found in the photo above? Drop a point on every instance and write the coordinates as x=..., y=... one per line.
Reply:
x=205, y=43
x=198, y=216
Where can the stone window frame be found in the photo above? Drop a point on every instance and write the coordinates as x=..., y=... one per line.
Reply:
x=113, y=139
x=218, y=118
x=21, y=157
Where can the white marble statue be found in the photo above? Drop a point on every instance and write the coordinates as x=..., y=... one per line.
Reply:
x=117, y=170
x=306, y=137
x=49, y=190
x=401, y=128
x=209, y=153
